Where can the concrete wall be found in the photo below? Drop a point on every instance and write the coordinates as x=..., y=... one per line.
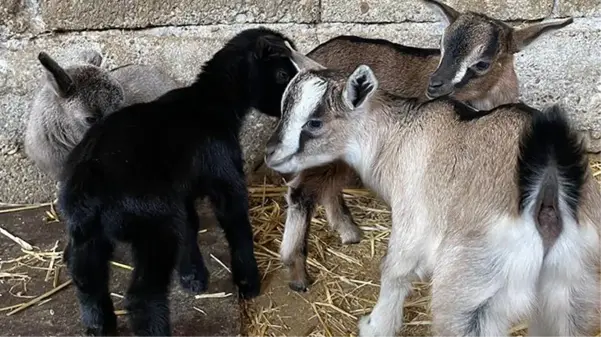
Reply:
x=180, y=35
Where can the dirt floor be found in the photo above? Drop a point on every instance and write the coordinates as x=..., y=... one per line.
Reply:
x=28, y=272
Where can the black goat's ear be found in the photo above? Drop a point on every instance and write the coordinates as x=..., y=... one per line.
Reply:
x=271, y=46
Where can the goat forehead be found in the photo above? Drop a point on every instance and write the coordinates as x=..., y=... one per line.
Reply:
x=464, y=37
x=304, y=96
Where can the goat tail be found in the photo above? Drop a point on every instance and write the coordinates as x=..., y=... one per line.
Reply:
x=551, y=168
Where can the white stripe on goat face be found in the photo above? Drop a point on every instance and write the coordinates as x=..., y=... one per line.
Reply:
x=306, y=96
x=466, y=63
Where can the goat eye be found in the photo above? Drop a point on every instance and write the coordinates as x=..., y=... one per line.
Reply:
x=482, y=65
x=314, y=124
x=282, y=76
x=91, y=120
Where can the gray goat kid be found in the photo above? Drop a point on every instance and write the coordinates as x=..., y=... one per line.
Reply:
x=73, y=98
x=500, y=210
x=475, y=65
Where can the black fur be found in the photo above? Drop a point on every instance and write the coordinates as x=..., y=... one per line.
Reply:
x=467, y=113
x=136, y=174
x=420, y=52
x=477, y=318
x=552, y=156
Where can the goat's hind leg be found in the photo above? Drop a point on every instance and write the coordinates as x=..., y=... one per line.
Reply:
x=325, y=184
x=481, y=286
x=193, y=274
x=87, y=260
x=340, y=218
x=329, y=181
x=155, y=253
x=569, y=287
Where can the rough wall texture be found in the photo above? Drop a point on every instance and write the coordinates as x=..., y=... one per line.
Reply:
x=564, y=66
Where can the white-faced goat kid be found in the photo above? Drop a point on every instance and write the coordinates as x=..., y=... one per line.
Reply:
x=501, y=211
x=135, y=175
x=475, y=65
x=73, y=98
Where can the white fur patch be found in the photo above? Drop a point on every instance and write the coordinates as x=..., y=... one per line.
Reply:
x=442, y=51
x=306, y=97
x=466, y=63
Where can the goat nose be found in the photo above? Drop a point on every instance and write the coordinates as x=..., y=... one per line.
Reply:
x=436, y=83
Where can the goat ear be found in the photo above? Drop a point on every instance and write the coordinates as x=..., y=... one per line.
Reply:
x=522, y=37
x=59, y=80
x=360, y=86
x=447, y=13
x=268, y=46
x=302, y=62
x=92, y=57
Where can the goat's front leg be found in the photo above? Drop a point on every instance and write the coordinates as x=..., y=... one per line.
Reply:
x=193, y=274
x=230, y=202
x=294, y=249
x=398, y=271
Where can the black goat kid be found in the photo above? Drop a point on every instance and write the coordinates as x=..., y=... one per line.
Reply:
x=135, y=175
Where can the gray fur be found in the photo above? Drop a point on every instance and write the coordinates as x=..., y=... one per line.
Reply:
x=73, y=98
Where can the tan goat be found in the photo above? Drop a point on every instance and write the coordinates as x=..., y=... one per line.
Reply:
x=477, y=67
x=501, y=211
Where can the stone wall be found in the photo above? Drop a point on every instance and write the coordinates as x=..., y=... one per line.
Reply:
x=564, y=66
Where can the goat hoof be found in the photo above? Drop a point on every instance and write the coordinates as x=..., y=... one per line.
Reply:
x=298, y=286
x=249, y=290
x=101, y=331
x=351, y=240
x=366, y=329
x=370, y=328
x=351, y=237
x=250, y=286
x=195, y=283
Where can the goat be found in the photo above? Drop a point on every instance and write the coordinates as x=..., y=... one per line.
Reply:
x=475, y=65
x=136, y=173
x=73, y=98
x=501, y=210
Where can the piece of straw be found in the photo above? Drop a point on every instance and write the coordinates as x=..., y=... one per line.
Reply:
x=39, y=298
x=18, y=240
